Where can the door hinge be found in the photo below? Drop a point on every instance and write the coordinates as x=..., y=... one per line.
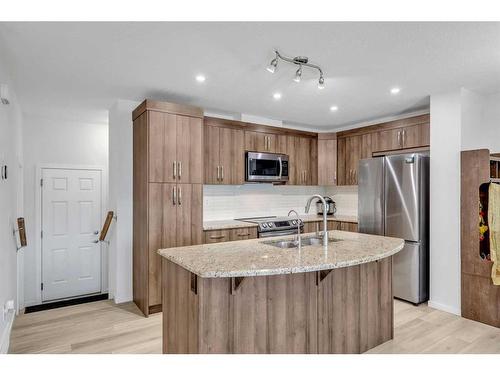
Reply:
x=41, y=234
x=41, y=286
x=41, y=182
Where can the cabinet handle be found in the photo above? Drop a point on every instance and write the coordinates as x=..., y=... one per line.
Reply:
x=218, y=178
x=174, y=167
x=334, y=177
x=222, y=172
x=243, y=234
x=179, y=195
x=179, y=168
x=174, y=199
x=404, y=137
x=399, y=138
x=217, y=237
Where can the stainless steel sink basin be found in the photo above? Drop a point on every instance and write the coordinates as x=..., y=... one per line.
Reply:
x=290, y=244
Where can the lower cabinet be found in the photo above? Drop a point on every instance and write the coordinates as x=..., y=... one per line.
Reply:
x=313, y=226
x=225, y=235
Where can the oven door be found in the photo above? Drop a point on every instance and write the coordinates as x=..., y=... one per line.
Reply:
x=266, y=167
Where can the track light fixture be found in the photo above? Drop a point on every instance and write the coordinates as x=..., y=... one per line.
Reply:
x=300, y=61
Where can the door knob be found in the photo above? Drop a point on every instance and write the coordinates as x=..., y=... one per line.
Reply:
x=96, y=241
x=96, y=232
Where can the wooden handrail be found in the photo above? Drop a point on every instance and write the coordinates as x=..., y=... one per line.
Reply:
x=105, y=227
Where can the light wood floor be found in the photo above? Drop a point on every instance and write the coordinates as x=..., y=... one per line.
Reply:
x=103, y=327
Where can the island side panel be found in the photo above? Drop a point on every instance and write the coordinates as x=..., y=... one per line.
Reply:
x=376, y=303
x=292, y=313
x=339, y=310
x=180, y=310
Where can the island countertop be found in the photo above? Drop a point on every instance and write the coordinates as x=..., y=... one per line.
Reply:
x=255, y=258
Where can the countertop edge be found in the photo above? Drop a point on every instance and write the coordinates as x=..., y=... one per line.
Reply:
x=285, y=271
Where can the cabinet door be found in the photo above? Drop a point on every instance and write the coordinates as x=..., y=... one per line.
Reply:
x=243, y=234
x=333, y=225
x=260, y=142
x=387, y=140
x=158, y=207
x=349, y=227
x=366, y=148
x=162, y=146
x=352, y=158
x=189, y=150
x=341, y=162
x=416, y=136
x=327, y=162
x=232, y=156
x=216, y=236
x=281, y=144
x=303, y=160
x=293, y=170
x=313, y=162
x=189, y=214
x=211, y=152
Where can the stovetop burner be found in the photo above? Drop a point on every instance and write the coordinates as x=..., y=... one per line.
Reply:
x=273, y=223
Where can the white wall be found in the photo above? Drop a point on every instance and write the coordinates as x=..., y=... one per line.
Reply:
x=446, y=115
x=120, y=199
x=55, y=141
x=10, y=203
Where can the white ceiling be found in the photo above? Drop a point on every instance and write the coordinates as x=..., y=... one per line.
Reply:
x=81, y=69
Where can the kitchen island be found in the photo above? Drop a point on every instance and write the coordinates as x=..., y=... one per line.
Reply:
x=253, y=297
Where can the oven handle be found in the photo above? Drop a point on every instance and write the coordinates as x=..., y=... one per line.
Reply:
x=279, y=233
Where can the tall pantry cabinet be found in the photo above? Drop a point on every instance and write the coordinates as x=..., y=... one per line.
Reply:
x=167, y=190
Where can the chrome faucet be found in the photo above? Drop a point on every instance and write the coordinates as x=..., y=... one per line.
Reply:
x=325, y=209
x=299, y=240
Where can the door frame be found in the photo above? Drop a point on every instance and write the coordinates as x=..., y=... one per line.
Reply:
x=38, y=221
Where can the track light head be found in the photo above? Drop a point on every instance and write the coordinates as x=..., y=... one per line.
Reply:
x=298, y=74
x=272, y=67
x=321, y=83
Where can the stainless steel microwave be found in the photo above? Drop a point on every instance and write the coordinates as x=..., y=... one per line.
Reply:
x=266, y=167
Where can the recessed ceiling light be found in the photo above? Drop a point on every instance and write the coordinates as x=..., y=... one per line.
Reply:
x=200, y=78
x=395, y=90
x=334, y=108
x=277, y=96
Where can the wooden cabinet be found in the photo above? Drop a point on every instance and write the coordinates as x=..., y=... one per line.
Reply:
x=224, y=235
x=175, y=146
x=390, y=137
x=327, y=159
x=224, y=156
x=313, y=226
x=173, y=211
x=167, y=191
x=406, y=137
x=216, y=236
x=240, y=234
x=260, y=142
x=303, y=160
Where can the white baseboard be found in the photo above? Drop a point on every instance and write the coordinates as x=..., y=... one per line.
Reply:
x=122, y=299
x=5, y=335
x=446, y=308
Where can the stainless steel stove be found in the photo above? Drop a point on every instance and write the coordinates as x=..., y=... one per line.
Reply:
x=273, y=226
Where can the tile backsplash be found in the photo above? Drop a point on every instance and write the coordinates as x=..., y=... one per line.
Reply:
x=221, y=202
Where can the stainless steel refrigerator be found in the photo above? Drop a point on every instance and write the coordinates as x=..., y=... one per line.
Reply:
x=393, y=200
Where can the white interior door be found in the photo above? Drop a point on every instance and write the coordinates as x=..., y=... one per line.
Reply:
x=71, y=253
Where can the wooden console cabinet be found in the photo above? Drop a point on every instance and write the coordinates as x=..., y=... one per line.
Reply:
x=167, y=190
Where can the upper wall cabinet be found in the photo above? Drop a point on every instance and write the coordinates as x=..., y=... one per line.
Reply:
x=175, y=146
x=327, y=159
x=360, y=143
x=226, y=142
x=224, y=156
x=404, y=137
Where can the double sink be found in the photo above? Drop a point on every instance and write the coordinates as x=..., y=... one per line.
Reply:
x=306, y=241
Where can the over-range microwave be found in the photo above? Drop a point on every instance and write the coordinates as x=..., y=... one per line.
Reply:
x=266, y=167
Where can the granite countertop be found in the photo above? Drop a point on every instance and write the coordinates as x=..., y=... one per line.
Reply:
x=254, y=258
x=231, y=224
